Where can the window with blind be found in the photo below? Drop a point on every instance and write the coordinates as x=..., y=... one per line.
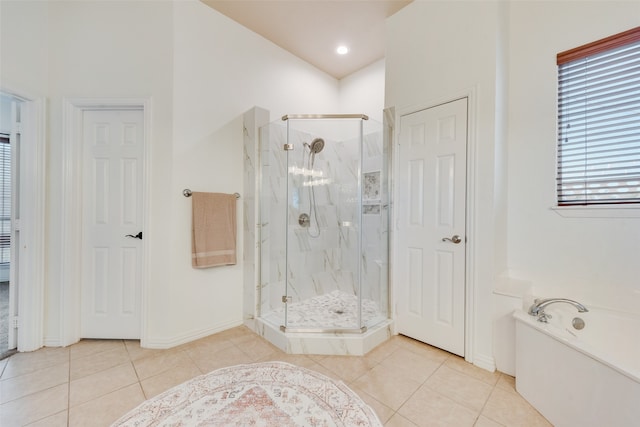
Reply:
x=599, y=122
x=5, y=199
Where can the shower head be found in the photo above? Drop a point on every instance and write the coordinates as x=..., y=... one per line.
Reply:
x=316, y=145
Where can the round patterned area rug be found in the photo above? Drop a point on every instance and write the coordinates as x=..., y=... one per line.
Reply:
x=271, y=394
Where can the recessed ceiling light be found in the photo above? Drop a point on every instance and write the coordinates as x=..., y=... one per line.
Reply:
x=342, y=50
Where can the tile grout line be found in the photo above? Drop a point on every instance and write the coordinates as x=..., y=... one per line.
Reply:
x=395, y=411
x=129, y=361
x=133, y=366
x=419, y=387
x=484, y=405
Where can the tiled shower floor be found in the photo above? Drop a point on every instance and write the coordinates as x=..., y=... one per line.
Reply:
x=336, y=309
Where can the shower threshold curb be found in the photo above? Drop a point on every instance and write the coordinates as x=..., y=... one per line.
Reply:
x=334, y=343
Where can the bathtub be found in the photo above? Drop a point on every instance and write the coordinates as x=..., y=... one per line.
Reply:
x=588, y=377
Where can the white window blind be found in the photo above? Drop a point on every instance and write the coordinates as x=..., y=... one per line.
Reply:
x=599, y=122
x=5, y=199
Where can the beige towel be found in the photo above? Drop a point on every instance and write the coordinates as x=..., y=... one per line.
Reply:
x=213, y=235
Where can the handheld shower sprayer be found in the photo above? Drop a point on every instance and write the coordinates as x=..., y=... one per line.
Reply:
x=316, y=146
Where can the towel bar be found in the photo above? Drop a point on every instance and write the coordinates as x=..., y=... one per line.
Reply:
x=187, y=193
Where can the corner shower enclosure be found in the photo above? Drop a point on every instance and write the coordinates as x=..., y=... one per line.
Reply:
x=324, y=205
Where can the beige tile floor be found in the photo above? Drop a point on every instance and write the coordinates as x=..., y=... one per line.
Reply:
x=407, y=383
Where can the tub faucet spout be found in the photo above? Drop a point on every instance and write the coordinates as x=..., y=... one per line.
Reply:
x=537, y=308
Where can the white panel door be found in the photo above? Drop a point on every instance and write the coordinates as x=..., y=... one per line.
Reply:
x=431, y=225
x=113, y=147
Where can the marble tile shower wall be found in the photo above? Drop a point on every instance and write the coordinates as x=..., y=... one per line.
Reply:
x=375, y=222
x=273, y=203
x=319, y=265
x=250, y=122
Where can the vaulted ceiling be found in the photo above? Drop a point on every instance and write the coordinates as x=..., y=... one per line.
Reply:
x=313, y=29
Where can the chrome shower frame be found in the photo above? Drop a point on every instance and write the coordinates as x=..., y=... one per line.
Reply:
x=324, y=116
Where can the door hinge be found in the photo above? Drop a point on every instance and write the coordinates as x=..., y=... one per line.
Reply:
x=286, y=299
x=288, y=147
x=14, y=322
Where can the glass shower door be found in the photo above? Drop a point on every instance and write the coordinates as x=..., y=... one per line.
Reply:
x=306, y=236
x=323, y=225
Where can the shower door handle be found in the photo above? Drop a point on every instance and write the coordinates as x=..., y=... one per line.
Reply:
x=453, y=239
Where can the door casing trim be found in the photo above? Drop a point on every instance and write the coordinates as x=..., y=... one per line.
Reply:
x=71, y=226
x=31, y=264
x=470, y=214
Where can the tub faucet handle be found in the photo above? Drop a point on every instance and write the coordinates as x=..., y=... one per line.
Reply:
x=544, y=317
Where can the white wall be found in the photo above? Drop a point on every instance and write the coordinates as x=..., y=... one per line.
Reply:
x=436, y=52
x=23, y=45
x=363, y=92
x=102, y=49
x=5, y=113
x=82, y=49
x=506, y=52
x=222, y=70
x=594, y=260
x=201, y=71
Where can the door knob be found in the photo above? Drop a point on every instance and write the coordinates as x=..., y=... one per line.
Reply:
x=137, y=236
x=453, y=239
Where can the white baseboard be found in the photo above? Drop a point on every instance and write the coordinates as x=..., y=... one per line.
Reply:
x=52, y=342
x=484, y=362
x=169, y=342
